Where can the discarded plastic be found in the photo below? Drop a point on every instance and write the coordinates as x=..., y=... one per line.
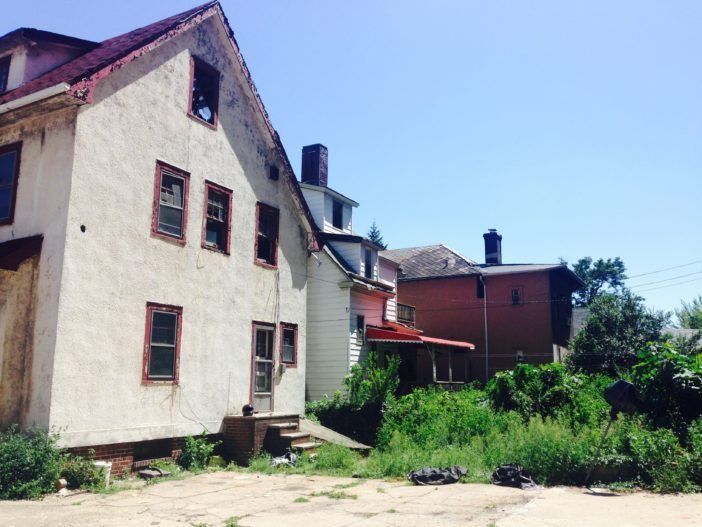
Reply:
x=437, y=476
x=289, y=459
x=513, y=476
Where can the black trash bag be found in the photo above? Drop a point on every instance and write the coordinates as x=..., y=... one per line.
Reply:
x=623, y=397
x=436, y=476
x=512, y=476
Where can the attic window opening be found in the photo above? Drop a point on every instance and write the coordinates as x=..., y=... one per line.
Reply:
x=4, y=72
x=337, y=214
x=204, y=91
x=368, y=264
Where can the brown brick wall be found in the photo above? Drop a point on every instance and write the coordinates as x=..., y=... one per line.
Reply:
x=244, y=437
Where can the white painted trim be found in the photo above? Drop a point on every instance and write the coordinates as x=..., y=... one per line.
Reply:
x=57, y=89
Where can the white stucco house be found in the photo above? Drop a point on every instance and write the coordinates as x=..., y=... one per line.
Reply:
x=153, y=238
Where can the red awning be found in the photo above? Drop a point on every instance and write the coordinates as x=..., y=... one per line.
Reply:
x=388, y=335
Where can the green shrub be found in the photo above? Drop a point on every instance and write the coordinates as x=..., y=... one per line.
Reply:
x=30, y=464
x=81, y=473
x=694, y=447
x=336, y=458
x=197, y=452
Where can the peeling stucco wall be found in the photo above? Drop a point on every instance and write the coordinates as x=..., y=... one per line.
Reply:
x=42, y=202
x=138, y=116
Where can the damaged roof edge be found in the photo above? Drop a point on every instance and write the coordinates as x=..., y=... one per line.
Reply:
x=37, y=96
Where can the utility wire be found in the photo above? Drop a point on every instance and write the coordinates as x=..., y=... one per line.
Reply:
x=669, y=285
x=666, y=279
x=663, y=270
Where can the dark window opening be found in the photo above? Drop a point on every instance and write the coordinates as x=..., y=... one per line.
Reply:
x=217, y=221
x=360, y=329
x=289, y=344
x=338, y=214
x=9, y=174
x=368, y=264
x=163, y=342
x=4, y=72
x=267, y=235
x=273, y=172
x=480, y=292
x=205, y=92
x=516, y=296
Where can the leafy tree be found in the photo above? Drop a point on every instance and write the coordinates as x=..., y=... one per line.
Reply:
x=617, y=327
x=690, y=314
x=600, y=277
x=375, y=236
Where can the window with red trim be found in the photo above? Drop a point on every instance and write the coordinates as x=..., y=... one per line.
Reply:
x=204, y=92
x=9, y=176
x=266, y=234
x=288, y=344
x=4, y=72
x=217, y=228
x=170, y=202
x=162, y=345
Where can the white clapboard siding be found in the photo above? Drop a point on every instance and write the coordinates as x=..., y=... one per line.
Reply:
x=351, y=252
x=388, y=275
x=372, y=309
x=315, y=201
x=327, y=327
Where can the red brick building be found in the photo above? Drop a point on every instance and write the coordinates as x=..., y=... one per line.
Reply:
x=511, y=312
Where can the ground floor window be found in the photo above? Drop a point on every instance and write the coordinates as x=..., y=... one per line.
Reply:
x=288, y=344
x=162, y=346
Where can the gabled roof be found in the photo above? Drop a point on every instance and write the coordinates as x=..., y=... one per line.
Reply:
x=431, y=261
x=346, y=268
x=495, y=269
x=39, y=35
x=349, y=238
x=84, y=72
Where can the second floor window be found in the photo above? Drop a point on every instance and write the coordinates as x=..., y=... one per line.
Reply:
x=218, y=201
x=517, y=296
x=338, y=214
x=9, y=174
x=204, y=92
x=170, y=202
x=4, y=72
x=266, y=234
x=288, y=344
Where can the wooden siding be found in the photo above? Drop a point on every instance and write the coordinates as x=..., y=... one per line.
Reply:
x=388, y=275
x=327, y=327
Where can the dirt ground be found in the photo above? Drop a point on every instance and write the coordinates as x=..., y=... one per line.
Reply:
x=250, y=500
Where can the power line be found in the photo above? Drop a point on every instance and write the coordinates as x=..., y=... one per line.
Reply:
x=669, y=285
x=666, y=279
x=663, y=270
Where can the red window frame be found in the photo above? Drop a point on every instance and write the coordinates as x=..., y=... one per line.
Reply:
x=283, y=327
x=5, y=63
x=209, y=186
x=160, y=168
x=17, y=148
x=151, y=307
x=214, y=72
x=276, y=214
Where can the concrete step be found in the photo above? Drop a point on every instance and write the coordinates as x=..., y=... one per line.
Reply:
x=294, y=435
x=283, y=426
x=310, y=445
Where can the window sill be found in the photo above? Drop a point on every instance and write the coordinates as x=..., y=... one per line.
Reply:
x=168, y=238
x=290, y=364
x=215, y=249
x=202, y=121
x=159, y=382
x=265, y=265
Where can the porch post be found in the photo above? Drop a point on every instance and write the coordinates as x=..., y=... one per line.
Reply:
x=433, y=364
x=450, y=351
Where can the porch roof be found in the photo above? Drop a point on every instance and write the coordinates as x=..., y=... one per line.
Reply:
x=374, y=334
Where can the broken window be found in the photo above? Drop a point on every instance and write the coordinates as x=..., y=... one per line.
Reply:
x=4, y=72
x=205, y=92
x=163, y=344
x=9, y=173
x=516, y=296
x=267, y=234
x=289, y=344
x=337, y=214
x=172, y=195
x=217, y=222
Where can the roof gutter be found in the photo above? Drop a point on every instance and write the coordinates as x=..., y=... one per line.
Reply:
x=51, y=91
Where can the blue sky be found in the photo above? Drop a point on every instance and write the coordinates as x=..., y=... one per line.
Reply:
x=575, y=128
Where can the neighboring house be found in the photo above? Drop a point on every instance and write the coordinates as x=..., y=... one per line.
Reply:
x=352, y=306
x=153, y=238
x=512, y=312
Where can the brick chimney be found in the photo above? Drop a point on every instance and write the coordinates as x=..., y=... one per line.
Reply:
x=315, y=165
x=493, y=247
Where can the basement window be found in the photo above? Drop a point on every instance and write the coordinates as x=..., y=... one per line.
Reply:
x=9, y=175
x=170, y=202
x=162, y=347
x=288, y=344
x=218, y=203
x=4, y=72
x=337, y=214
x=204, y=92
x=266, y=235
